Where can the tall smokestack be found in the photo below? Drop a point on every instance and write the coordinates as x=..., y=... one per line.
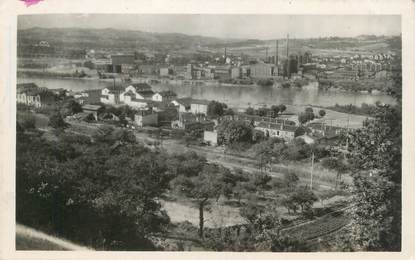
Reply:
x=288, y=57
x=266, y=54
x=276, y=52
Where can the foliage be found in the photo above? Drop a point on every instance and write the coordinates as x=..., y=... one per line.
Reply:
x=85, y=190
x=288, y=244
x=336, y=164
x=250, y=111
x=376, y=151
x=322, y=112
x=364, y=109
x=300, y=131
x=71, y=107
x=290, y=180
x=206, y=185
x=306, y=116
x=26, y=121
x=89, y=118
x=233, y=132
x=302, y=198
x=56, y=121
x=216, y=109
x=265, y=82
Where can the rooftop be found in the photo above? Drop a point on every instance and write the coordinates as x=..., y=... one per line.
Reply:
x=188, y=101
x=91, y=107
x=167, y=93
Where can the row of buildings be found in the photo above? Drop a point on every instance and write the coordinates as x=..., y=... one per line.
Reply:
x=31, y=95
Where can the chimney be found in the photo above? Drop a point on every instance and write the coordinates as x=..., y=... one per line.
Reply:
x=288, y=57
x=266, y=54
x=276, y=53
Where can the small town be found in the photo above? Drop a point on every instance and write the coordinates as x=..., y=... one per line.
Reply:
x=133, y=140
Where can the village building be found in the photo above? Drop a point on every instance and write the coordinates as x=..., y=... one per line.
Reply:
x=165, y=72
x=277, y=130
x=136, y=90
x=255, y=120
x=31, y=95
x=263, y=70
x=210, y=137
x=91, y=109
x=111, y=95
x=146, y=118
x=307, y=139
x=236, y=72
x=188, y=121
x=322, y=129
x=122, y=63
x=195, y=106
x=164, y=96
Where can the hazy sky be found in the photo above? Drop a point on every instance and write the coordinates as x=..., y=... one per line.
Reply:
x=227, y=26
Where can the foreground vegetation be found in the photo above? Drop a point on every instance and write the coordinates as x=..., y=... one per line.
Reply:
x=104, y=190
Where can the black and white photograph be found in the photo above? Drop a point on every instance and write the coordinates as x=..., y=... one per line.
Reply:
x=208, y=132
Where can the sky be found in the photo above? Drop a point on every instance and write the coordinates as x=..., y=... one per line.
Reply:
x=227, y=26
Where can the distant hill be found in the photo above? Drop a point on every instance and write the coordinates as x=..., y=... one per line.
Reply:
x=120, y=39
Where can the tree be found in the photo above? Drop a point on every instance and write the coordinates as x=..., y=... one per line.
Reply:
x=337, y=165
x=306, y=116
x=375, y=154
x=56, y=121
x=303, y=118
x=309, y=110
x=300, y=131
x=322, y=112
x=71, y=107
x=202, y=188
x=304, y=197
x=262, y=111
x=250, y=111
x=85, y=190
x=26, y=121
x=216, y=109
x=282, y=108
x=291, y=180
x=275, y=110
x=230, y=132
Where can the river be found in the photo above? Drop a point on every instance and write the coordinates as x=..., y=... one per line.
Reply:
x=235, y=96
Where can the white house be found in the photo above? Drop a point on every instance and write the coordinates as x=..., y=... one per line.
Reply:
x=210, y=137
x=277, y=130
x=140, y=91
x=31, y=95
x=110, y=96
x=195, y=106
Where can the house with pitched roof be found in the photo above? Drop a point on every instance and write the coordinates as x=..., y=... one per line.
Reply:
x=277, y=130
x=195, y=106
x=111, y=95
x=135, y=88
x=31, y=95
x=164, y=96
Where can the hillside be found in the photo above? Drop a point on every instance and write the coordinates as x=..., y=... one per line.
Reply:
x=119, y=39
